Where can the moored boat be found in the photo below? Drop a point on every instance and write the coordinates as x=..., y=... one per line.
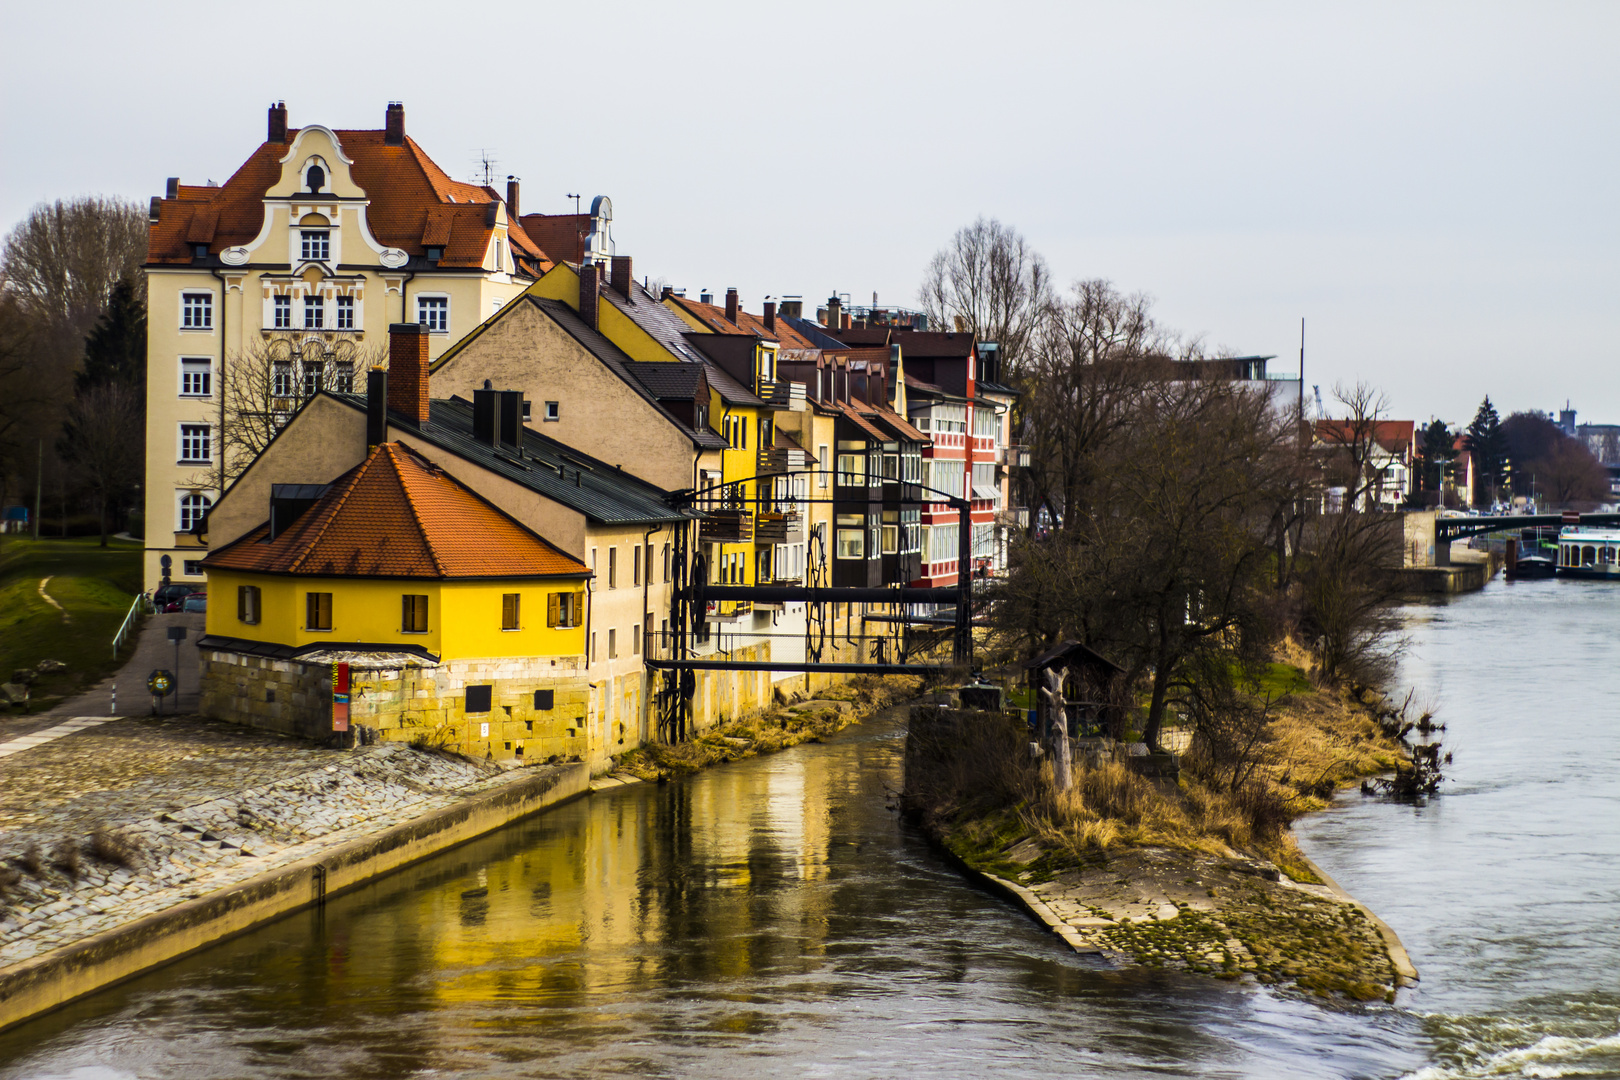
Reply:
x=1587, y=552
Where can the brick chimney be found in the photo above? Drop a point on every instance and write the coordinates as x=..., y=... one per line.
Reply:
x=770, y=315
x=835, y=308
x=512, y=198
x=278, y=122
x=623, y=279
x=843, y=323
x=394, y=124
x=731, y=306
x=664, y=294
x=408, y=371
x=590, y=287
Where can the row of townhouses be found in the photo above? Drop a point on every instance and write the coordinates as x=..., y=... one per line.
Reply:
x=452, y=461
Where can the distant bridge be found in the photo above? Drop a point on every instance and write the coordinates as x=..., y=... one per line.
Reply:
x=1460, y=528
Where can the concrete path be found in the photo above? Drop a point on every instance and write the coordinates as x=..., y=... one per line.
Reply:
x=152, y=650
x=45, y=735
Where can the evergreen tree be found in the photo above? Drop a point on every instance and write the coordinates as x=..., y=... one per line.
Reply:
x=1487, y=446
x=1439, y=448
x=115, y=350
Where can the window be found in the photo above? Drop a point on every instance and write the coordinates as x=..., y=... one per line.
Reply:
x=281, y=312
x=314, y=313
x=666, y=564
x=553, y=411
x=564, y=611
x=315, y=245
x=635, y=640
x=891, y=466
x=851, y=544
x=313, y=369
x=412, y=614
x=891, y=540
x=193, y=505
x=511, y=608
x=825, y=461
x=345, y=313
x=479, y=698
x=196, y=442
x=434, y=254
x=613, y=644
x=500, y=255
x=635, y=569
x=191, y=567
x=613, y=568
x=434, y=313
x=318, y=611
x=196, y=311
x=528, y=411
x=343, y=376
x=545, y=700
x=852, y=469
x=281, y=379
x=196, y=376
x=247, y=603
x=592, y=657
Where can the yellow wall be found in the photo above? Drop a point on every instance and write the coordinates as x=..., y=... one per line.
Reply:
x=464, y=618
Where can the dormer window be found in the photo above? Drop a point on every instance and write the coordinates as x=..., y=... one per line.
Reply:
x=316, y=245
x=434, y=254
x=315, y=178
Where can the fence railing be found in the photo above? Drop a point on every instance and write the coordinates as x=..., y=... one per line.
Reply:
x=136, y=607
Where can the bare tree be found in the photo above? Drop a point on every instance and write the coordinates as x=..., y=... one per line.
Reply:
x=1568, y=475
x=264, y=384
x=994, y=282
x=101, y=442
x=62, y=262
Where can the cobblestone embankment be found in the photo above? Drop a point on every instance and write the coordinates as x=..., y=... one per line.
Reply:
x=116, y=823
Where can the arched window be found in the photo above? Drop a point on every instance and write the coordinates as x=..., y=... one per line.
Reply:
x=315, y=178
x=1589, y=555
x=193, y=506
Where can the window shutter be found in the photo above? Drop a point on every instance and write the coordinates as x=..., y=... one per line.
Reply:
x=553, y=608
x=579, y=609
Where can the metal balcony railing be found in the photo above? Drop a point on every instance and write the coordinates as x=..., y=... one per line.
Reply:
x=1013, y=456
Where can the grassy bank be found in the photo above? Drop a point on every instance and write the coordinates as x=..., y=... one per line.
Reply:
x=93, y=585
x=1174, y=873
x=830, y=711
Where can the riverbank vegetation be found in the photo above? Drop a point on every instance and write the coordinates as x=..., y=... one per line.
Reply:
x=788, y=724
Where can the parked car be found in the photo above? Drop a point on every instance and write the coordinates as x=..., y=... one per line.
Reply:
x=197, y=601
x=170, y=597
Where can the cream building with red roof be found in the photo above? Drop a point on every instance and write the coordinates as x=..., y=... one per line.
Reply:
x=284, y=280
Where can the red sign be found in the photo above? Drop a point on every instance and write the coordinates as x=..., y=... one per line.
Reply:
x=340, y=697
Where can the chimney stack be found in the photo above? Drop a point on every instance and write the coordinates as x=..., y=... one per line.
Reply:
x=623, y=280
x=408, y=371
x=731, y=306
x=705, y=297
x=770, y=315
x=394, y=124
x=278, y=122
x=173, y=190
x=835, y=309
x=667, y=292
x=512, y=197
x=590, y=287
x=376, y=407
x=844, y=323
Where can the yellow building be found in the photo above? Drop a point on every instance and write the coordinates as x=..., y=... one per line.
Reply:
x=283, y=281
x=457, y=625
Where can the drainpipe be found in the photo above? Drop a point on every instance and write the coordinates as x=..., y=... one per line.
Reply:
x=219, y=438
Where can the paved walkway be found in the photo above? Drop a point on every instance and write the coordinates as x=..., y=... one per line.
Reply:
x=153, y=650
x=45, y=735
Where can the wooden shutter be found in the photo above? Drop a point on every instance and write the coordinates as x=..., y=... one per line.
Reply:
x=578, y=618
x=509, y=611
x=553, y=608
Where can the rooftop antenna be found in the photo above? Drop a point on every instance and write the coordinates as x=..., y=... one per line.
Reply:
x=1302, y=375
x=486, y=165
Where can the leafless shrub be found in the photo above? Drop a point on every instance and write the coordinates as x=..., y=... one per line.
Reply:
x=66, y=858
x=8, y=878
x=115, y=848
x=32, y=861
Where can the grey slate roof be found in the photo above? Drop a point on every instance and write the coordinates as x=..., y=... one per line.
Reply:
x=617, y=361
x=576, y=480
x=673, y=379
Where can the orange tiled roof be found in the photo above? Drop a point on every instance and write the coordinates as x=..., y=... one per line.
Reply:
x=407, y=191
x=397, y=515
x=1396, y=436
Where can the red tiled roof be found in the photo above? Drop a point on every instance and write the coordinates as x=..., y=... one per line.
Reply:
x=1393, y=435
x=397, y=515
x=405, y=188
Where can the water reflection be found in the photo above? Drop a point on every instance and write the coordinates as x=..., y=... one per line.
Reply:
x=768, y=916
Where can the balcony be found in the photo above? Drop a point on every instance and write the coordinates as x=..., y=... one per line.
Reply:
x=781, y=459
x=782, y=393
x=1013, y=456
x=774, y=528
x=727, y=526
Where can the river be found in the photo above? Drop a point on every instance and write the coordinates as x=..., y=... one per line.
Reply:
x=774, y=916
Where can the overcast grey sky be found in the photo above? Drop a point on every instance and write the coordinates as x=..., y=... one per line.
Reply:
x=1433, y=186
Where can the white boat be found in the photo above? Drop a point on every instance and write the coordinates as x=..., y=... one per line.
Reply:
x=1588, y=552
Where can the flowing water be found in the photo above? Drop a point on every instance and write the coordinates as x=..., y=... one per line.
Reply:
x=773, y=917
